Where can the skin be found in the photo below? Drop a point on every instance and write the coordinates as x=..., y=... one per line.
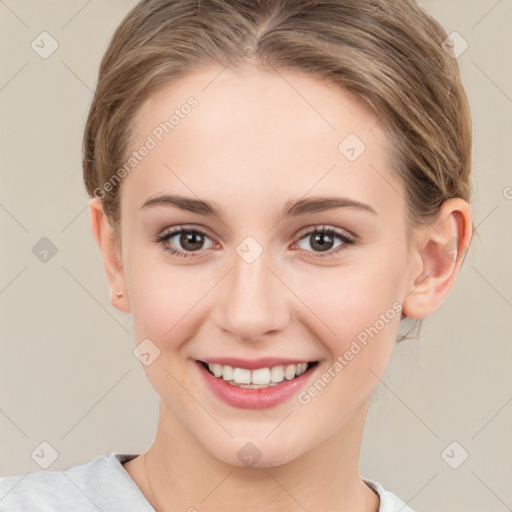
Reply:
x=253, y=143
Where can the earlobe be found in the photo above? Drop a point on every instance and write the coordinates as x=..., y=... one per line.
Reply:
x=440, y=252
x=110, y=255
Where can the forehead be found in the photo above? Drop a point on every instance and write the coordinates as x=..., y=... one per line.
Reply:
x=251, y=131
x=248, y=102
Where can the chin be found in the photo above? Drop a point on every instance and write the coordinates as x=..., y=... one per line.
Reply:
x=256, y=454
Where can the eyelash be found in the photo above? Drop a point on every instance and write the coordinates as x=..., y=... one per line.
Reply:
x=347, y=241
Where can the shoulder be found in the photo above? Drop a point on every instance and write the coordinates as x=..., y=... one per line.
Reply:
x=389, y=502
x=100, y=484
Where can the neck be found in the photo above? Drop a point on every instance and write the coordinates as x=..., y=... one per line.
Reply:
x=183, y=476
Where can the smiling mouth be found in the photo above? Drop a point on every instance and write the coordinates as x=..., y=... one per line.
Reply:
x=260, y=377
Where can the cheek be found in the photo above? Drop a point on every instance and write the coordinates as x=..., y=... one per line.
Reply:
x=149, y=287
x=164, y=302
x=359, y=307
x=163, y=298
x=362, y=313
x=349, y=300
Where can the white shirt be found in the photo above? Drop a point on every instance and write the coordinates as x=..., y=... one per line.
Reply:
x=103, y=485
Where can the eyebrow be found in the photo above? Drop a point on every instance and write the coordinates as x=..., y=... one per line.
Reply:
x=292, y=208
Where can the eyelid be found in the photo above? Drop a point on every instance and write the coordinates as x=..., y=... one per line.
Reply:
x=177, y=229
x=185, y=227
x=299, y=235
x=348, y=239
x=164, y=236
x=323, y=227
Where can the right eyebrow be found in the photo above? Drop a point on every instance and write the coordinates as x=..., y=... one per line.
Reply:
x=184, y=203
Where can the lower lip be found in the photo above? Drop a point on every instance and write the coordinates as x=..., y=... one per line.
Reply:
x=246, y=398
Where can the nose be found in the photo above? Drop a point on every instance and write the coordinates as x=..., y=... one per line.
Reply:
x=252, y=301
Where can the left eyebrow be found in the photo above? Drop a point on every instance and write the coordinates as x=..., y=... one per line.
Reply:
x=292, y=208
x=320, y=204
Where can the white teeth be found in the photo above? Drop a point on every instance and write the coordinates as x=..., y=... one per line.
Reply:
x=290, y=372
x=261, y=377
x=217, y=370
x=227, y=373
x=242, y=376
x=277, y=374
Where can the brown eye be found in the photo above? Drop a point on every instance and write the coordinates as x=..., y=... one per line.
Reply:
x=321, y=241
x=191, y=240
x=184, y=241
x=324, y=241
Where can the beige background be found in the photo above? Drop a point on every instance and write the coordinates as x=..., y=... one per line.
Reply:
x=68, y=374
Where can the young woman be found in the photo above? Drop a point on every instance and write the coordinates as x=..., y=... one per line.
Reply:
x=276, y=185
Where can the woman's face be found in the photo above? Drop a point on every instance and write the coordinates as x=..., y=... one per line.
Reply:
x=253, y=282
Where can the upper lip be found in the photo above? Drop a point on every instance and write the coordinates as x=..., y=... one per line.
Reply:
x=253, y=364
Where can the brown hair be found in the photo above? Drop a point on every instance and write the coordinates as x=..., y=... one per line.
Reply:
x=388, y=54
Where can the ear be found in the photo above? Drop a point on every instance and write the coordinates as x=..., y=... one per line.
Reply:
x=439, y=252
x=110, y=253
